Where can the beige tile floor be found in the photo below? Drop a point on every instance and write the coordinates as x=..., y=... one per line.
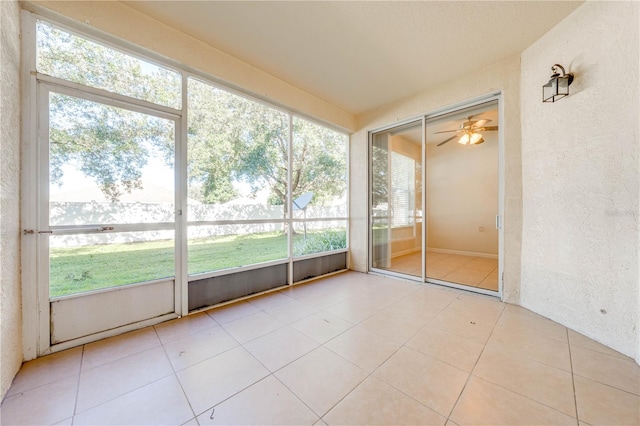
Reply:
x=349, y=349
x=471, y=271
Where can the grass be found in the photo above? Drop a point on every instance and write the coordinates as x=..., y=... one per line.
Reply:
x=79, y=269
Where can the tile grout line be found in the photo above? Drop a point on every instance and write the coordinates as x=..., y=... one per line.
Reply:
x=353, y=325
x=132, y=390
x=573, y=380
x=607, y=385
x=518, y=393
x=175, y=373
x=371, y=373
x=75, y=403
x=240, y=345
x=474, y=366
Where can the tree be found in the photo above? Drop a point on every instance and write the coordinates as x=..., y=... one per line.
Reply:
x=231, y=139
x=247, y=141
x=109, y=144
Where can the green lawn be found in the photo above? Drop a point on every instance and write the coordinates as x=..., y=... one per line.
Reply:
x=79, y=269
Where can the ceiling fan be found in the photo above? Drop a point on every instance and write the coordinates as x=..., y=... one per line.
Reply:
x=469, y=132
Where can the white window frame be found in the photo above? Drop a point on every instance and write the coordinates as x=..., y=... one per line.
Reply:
x=33, y=299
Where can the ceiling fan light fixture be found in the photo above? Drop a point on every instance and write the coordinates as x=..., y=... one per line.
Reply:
x=476, y=138
x=471, y=139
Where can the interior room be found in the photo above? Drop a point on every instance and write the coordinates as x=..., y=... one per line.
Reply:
x=461, y=184
x=319, y=212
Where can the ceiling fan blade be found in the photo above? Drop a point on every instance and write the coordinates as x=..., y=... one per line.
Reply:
x=447, y=140
x=447, y=131
x=490, y=128
x=480, y=123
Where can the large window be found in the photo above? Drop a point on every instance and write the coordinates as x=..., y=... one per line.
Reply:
x=262, y=186
x=153, y=190
x=73, y=58
x=238, y=156
x=239, y=182
x=318, y=188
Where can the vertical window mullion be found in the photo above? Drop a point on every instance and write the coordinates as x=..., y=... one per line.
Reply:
x=290, y=200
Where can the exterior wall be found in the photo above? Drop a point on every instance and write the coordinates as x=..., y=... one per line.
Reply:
x=10, y=292
x=128, y=24
x=580, y=176
x=504, y=76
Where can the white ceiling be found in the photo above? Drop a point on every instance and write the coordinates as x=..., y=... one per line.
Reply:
x=360, y=55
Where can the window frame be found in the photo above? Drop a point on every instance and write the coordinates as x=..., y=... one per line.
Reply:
x=186, y=73
x=32, y=110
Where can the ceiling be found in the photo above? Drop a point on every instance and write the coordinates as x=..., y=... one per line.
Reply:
x=360, y=55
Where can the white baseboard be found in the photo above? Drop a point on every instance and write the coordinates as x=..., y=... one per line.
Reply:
x=403, y=252
x=462, y=253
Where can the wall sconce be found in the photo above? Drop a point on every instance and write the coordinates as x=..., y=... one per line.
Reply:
x=558, y=86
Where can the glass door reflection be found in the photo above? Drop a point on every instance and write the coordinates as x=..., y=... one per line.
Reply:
x=396, y=199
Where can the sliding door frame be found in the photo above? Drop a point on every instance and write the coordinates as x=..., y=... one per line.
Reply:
x=490, y=97
x=416, y=119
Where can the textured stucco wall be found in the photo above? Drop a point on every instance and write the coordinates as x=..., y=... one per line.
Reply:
x=121, y=21
x=10, y=295
x=581, y=174
x=505, y=76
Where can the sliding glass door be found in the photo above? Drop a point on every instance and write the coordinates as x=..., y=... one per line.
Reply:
x=454, y=239
x=462, y=183
x=396, y=199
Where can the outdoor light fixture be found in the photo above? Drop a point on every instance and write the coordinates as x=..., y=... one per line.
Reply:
x=558, y=86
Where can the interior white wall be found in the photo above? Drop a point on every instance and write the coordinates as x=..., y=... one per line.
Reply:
x=581, y=176
x=503, y=76
x=462, y=193
x=10, y=290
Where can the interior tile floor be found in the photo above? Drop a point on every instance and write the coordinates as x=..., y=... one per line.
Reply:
x=349, y=349
x=471, y=271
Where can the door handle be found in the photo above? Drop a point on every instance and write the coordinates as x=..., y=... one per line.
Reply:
x=72, y=230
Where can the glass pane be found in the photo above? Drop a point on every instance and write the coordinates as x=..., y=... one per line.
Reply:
x=316, y=237
x=396, y=169
x=73, y=58
x=85, y=262
x=108, y=165
x=238, y=156
x=403, y=182
x=212, y=248
x=319, y=179
x=462, y=189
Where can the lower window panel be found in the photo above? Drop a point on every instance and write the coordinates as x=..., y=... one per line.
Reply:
x=310, y=268
x=223, y=288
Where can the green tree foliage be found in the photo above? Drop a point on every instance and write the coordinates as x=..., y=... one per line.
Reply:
x=110, y=145
x=210, y=155
x=230, y=138
x=234, y=138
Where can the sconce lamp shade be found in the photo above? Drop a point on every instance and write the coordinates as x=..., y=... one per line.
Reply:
x=558, y=86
